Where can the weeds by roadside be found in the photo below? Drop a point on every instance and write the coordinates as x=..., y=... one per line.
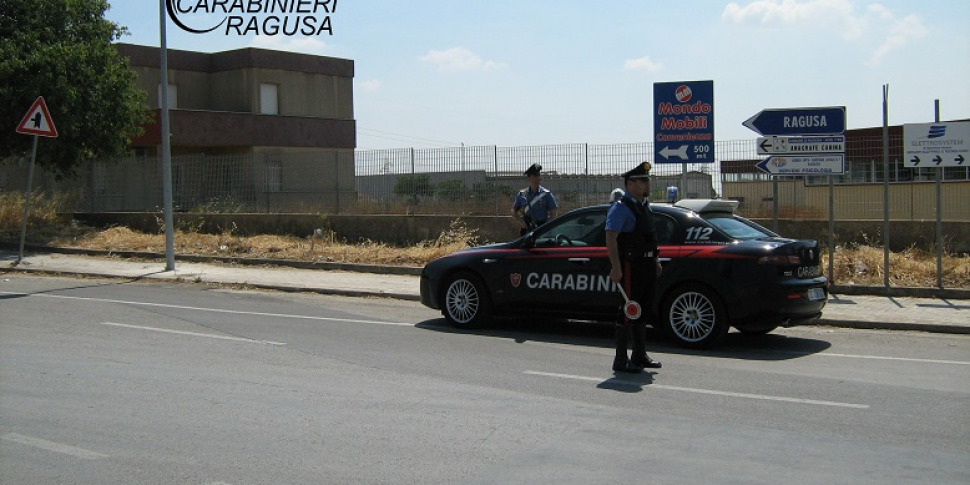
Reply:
x=853, y=265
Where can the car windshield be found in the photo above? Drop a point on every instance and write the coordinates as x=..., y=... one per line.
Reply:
x=581, y=230
x=737, y=227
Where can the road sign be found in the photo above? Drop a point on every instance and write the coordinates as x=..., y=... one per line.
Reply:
x=803, y=165
x=683, y=122
x=777, y=145
x=936, y=145
x=798, y=121
x=38, y=121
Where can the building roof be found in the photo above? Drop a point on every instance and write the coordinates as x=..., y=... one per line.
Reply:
x=250, y=57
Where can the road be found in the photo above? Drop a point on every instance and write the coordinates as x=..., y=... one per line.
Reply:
x=120, y=382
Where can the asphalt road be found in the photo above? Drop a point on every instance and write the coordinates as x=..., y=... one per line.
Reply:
x=108, y=382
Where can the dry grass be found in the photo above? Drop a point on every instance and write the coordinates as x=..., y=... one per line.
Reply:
x=863, y=265
x=44, y=219
x=320, y=248
x=853, y=265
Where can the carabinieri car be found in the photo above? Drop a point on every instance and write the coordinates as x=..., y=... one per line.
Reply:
x=720, y=270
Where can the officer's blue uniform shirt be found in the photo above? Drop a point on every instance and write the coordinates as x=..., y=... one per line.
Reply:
x=620, y=218
x=539, y=211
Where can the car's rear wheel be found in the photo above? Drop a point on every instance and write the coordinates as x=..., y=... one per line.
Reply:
x=694, y=317
x=466, y=303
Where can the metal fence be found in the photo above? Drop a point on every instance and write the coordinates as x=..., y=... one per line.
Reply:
x=482, y=180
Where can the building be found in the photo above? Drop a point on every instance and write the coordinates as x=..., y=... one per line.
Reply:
x=262, y=127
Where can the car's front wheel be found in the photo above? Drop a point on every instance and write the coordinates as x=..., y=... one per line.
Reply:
x=466, y=303
x=693, y=316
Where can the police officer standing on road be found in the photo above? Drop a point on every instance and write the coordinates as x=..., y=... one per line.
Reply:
x=631, y=242
x=535, y=204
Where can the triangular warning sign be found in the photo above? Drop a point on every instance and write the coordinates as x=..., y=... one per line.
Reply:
x=38, y=121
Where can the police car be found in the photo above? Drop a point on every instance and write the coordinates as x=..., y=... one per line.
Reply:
x=720, y=270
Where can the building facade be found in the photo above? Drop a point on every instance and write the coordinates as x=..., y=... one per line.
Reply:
x=288, y=117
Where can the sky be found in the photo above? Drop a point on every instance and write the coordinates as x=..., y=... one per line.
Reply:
x=445, y=73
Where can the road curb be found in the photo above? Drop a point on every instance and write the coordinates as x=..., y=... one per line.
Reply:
x=902, y=291
x=903, y=326
x=194, y=258
x=241, y=285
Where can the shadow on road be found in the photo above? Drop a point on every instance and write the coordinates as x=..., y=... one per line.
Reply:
x=770, y=347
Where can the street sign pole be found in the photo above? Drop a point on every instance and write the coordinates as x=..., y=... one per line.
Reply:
x=36, y=122
x=166, y=150
x=802, y=141
x=939, y=212
x=885, y=185
x=23, y=224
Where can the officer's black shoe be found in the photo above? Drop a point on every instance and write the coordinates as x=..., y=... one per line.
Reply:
x=628, y=367
x=648, y=363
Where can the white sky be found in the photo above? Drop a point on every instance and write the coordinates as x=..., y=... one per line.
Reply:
x=435, y=73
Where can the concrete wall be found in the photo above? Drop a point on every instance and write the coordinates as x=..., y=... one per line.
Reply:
x=912, y=201
x=404, y=230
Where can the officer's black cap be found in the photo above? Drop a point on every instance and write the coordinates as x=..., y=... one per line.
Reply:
x=534, y=169
x=641, y=171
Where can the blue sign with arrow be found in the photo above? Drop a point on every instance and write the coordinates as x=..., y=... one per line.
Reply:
x=683, y=122
x=798, y=121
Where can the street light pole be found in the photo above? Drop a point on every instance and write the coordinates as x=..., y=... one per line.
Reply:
x=166, y=152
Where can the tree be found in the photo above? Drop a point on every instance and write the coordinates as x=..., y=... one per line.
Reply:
x=489, y=189
x=451, y=190
x=411, y=187
x=61, y=49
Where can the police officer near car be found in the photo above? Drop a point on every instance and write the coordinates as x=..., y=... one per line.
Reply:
x=631, y=242
x=535, y=204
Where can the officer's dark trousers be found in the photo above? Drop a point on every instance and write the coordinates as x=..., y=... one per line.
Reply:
x=640, y=283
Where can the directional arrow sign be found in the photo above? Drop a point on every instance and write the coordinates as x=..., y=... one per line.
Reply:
x=679, y=152
x=804, y=165
x=772, y=145
x=936, y=144
x=799, y=121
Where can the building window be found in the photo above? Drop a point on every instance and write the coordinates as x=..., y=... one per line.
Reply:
x=269, y=99
x=173, y=96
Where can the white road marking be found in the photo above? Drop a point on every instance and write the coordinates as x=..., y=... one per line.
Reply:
x=705, y=391
x=194, y=334
x=52, y=446
x=213, y=310
x=900, y=359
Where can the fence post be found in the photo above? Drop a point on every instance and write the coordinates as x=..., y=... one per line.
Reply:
x=885, y=185
x=774, y=202
x=495, y=161
x=586, y=177
x=831, y=229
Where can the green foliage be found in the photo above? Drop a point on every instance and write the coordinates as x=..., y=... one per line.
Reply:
x=412, y=187
x=451, y=190
x=61, y=49
x=489, y=190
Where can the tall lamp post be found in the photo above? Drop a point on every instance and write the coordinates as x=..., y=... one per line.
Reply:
x=166, y=149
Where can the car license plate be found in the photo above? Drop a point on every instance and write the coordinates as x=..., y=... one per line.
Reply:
x=815, y=294
x=809, y=271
